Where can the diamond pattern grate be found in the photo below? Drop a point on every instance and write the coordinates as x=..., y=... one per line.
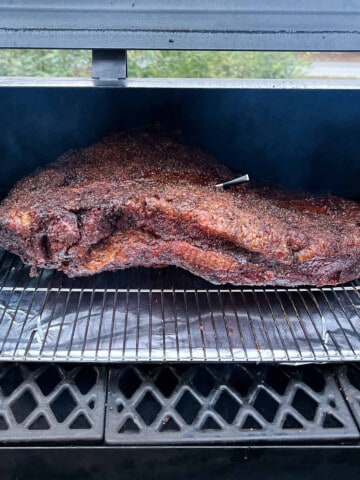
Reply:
x=51, y=403
x=178, y=404
x=229, y=403
x=349, y=381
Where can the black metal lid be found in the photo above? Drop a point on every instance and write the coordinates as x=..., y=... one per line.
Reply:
x=184, y=24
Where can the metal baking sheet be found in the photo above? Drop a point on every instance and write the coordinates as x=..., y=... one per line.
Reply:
x=155, y=315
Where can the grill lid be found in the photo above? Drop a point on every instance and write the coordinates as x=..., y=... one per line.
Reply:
x=185, y=24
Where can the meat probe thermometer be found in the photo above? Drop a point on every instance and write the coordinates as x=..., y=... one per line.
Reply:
x=234, y=181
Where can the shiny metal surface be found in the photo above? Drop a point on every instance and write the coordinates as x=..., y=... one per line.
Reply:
x=152, y=315
x=187, y=83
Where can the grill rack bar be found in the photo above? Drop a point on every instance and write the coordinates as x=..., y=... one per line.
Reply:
x=155, y=315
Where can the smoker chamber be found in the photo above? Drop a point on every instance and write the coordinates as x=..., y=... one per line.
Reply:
x=169, y=315
x=175, y=360
x=152, y=373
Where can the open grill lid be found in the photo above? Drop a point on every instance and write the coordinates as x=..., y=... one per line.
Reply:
x=184, y=24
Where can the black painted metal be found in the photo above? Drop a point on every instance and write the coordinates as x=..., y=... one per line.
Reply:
x=200, y=463
x=51, y=403
x=184, y=24
x=224, y=403
x=277, y=132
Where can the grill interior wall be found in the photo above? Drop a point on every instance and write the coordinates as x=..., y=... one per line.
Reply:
x=305, y=139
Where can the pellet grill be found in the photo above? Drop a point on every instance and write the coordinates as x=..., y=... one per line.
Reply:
x=147, y=373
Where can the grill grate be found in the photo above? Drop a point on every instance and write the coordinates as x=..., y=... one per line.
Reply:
x=51, y=403
x=175, y=404
x=142, y=315
x=349, y=380
x=228, y=403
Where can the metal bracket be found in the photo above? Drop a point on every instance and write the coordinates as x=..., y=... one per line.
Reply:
x=109, y=67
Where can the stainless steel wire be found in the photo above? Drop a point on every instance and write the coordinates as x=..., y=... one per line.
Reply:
x=170, y=315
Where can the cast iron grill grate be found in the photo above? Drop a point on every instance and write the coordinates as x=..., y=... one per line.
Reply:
x=349, y=380
x=224, y=403
x=154, y=315
x=51, y=403
x=175, y=404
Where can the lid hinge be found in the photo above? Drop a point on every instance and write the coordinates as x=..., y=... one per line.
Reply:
x=109, y=67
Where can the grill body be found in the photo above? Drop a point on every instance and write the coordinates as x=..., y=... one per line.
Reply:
x=192, y=25
x=90, y=417
x=201, y=463
x=302, y=137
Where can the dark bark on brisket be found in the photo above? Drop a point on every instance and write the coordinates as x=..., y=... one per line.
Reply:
x=146, y=199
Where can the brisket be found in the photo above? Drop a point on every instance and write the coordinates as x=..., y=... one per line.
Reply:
x=145, y=199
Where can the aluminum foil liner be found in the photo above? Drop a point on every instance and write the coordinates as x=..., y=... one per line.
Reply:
x=170, y=315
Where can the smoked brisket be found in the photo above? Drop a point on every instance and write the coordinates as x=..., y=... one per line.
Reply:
x=145, y=199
